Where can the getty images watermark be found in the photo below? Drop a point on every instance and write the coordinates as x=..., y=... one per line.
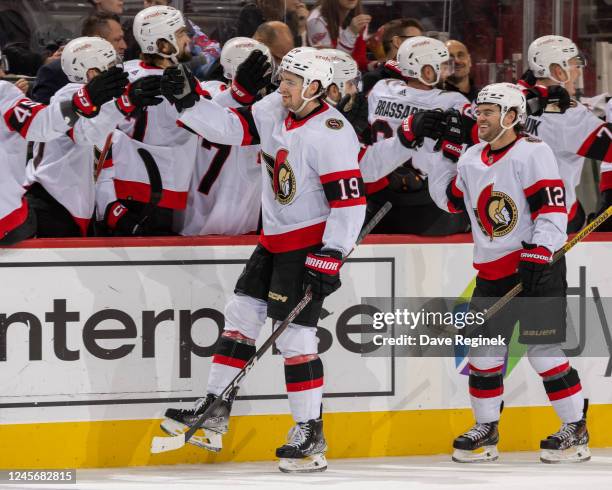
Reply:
x=440, y=322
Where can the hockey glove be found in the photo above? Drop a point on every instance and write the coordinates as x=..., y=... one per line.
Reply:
x=559, y=96
x=252, y=75
x=180, y=87
x=121, y=221
x=103, y=88
x=527, y=79
x=606, y=203
x=143, y=92
x=355, y=109
x=534, y=268
x=537, y=99
x=451, y=142
x=426, y=124
x=323, y=272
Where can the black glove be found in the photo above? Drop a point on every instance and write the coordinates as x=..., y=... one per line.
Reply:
x=406, y=179
x=534, y=268
x=101, y=89
x=356, y=112
x=607, y=202
x=425, y=124
x=180, y=87
x=252, y=75
x=322, y=272
x=559, y=96
x=143, y=92
x=123, y=222
x=452, y=139
x=537, y=99
x=527, y=79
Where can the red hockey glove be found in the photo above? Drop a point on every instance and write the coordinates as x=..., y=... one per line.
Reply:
x=323, y=272
x=145, y=91
x=105, y=87
x=534, y=268
x=425, y=124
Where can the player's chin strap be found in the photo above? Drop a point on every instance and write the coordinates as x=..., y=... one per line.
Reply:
x=306, y=100
x=504, y=128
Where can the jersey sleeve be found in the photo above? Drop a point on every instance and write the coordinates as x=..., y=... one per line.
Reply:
x=381, y=158
x=335, y=160
x=227, y=126
x=31, y=120
x=94, y=131
x=445, y=184
x=586, y=135
x=545, y=193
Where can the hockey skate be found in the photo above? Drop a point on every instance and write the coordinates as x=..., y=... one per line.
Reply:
x=209, y=436
x=477, y=445
x=305, y=449
x=569, y=444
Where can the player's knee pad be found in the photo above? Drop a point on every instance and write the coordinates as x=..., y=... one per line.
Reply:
x=297, y=340
x=486, y=359
x=548, y=360
x=245, y=315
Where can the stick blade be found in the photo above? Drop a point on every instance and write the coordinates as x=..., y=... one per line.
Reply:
x=161, y=444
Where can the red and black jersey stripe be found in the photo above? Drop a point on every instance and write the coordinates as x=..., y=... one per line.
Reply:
x=486, y=386
x=598, y=144
x=233, y=353
x=456, y=204
x=562, y=387
x=304, y=376
x=546, y=196
x=344, y=188
x=250, y=133
x=19, y=117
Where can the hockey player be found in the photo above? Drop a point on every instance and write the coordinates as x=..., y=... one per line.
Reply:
x=313, y=208
x=423, y=63
x=135, y=196
x=24, y=120
x=346, y=76
x=60, y=177
x=570, y=129
x=509, y=186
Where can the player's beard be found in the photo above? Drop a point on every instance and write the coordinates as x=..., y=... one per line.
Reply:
x=491, y=133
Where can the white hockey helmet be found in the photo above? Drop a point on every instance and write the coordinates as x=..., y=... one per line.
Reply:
x=85, y=53
x=345, y=69
x=507, y=96
x=155, y=23
x=238, y=49
x=417, y=52
x=548, y=50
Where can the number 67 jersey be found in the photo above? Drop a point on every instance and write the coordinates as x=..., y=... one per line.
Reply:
x=511, y=195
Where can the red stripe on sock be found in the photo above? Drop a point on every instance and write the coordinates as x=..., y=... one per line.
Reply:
x=564, y=393
x=475, y=392
x=305, y=385
x=556, y=370
x=229, y=361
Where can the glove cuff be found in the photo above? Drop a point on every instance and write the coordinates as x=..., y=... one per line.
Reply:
x=405, y=134
x=537, y=254
x=114, y=212
x=82, y=103
x=327, y=262
x=124, y=104
x=240, y=94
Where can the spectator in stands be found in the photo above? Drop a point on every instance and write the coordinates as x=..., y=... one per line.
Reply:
x=50, y=77
x=114, y=7
x=277, y=36
x=460, y=80
x=395, y=32
x=256, y=12
x=152, y=3
x=340, y=24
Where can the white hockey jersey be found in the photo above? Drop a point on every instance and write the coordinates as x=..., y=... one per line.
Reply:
x=65, y=166
x=514, y=194
x=605, y=183
x=225, y=193
x=391, y=101
x=22, y=120
x=312, y=186
x=154, y=129
x=573, y=135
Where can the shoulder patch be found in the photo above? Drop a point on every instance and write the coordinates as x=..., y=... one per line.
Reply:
x=334, y=123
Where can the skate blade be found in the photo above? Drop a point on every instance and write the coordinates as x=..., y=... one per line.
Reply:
x=484, y=454
x=575, y=454
x=204, y=438
x=309, y=464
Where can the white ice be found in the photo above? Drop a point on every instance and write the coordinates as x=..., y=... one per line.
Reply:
x=516, y=471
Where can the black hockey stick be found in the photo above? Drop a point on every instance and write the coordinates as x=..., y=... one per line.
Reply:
x=161, y=444
x=155, y=183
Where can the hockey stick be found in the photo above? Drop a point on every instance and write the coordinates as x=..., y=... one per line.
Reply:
x=503, y=301
x=103, y=154
x=161, y=444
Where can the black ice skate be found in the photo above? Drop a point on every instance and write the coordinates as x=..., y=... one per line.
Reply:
x=569, y=444
x=305, y=449
x=178, y=421
x=479, y=444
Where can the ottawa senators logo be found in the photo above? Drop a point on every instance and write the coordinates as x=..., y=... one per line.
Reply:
x=497, y=213
x=282, y=177
x=334, y=124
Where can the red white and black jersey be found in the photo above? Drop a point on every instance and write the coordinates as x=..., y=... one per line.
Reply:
x=65, y=165
x=154, y=129
x=22, y=120
x=225, y=193
x=606, y=166
x=573, y=136
x=512, y=195
x=391, y=101
x=312, y=186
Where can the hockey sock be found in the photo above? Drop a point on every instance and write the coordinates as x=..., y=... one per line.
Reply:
x=304, y=379
x=231, y=355
x=486, y=390
x=564, y=391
